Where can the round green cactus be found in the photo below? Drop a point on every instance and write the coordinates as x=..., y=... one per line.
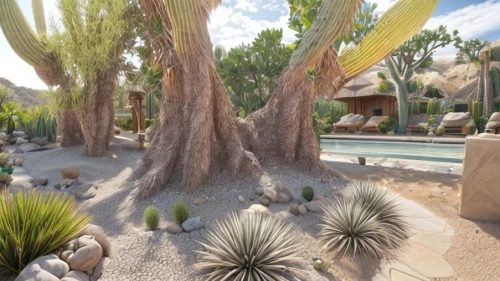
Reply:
x=152, y=218
x=308, y=193
x=4, y=160
x=181, y=212
x=5, y=178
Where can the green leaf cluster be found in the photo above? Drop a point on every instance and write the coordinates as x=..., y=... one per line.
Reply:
x=35, y=224
x=251, y=72
x=469, y=50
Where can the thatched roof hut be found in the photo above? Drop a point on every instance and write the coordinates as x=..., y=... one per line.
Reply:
x=362, y=97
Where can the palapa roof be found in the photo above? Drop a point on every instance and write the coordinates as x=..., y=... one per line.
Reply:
x=466, y=91
x=136, y=89
x=360, y=87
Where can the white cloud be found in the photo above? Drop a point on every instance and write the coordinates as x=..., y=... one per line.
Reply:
x=473, y=21
x=246, y=5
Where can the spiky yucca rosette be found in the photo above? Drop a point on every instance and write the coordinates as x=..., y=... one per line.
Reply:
x=366, y=223
x=246, y=247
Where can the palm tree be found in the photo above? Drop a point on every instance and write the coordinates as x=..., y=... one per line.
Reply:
x=198, y=130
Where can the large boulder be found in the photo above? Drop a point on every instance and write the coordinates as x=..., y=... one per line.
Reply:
x=70, y=173
x=76, y=275
x=27, y=147
x=45, y=268
x=21, y=141
x=87, y=256
x=40, y=141
x=19, y=134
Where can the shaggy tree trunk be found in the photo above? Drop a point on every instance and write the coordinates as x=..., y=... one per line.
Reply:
x=97, y=113
x=402, y=96
x=69, y=128
x=197, y=132
x=488, y=88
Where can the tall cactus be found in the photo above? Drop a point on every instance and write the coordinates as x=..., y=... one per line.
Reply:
x=495, y=81
x=52, y=128
x=41, y=127
x=150, y=106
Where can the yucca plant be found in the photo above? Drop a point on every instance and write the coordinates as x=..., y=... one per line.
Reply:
x=365, y=223
x=35, y=224
x=246, y=247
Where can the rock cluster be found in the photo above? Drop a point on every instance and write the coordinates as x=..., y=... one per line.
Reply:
x=82, y=259
x=277, y=193
x=189, y=225
x=315, y=206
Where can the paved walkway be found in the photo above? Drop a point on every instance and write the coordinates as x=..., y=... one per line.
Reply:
x=422, y=259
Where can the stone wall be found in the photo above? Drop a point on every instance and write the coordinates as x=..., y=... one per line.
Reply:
x=480, y=199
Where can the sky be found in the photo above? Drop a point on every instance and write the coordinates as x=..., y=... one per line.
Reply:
x=239, y=21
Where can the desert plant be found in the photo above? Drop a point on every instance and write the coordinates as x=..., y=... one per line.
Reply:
x=4, y=160
x=247, y=247
x=366, y=222
x=308, y=193
x=382, y=128
x=180, y=212
x=480, y=123
x=152, y=217
x=440, y=131
x=5, y=179
x=35, y=224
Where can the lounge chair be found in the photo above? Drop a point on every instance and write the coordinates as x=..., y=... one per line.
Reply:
x=456, y=123
x=372, y=124
x=350, y=122
x=493, y=125
x=417, y=123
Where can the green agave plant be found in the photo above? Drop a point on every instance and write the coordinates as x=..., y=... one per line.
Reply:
x=366, y=223
x=247, y=247
x=35, y=224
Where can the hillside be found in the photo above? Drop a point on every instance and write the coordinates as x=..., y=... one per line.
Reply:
x=26, y=97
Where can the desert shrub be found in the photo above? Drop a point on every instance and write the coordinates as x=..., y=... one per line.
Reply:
x=386, y=86
x=382, y=128
x=308, y=193
x=389, y=125
x=180, y=212
x=152, y=218
x=433, y=93
x=497, y=106
x=5, y=179
x=440, y=131
x=48, y=220
x=248, y=247
x=5, y=161
x=126, y=123
x=480, y=123
x=366, y=223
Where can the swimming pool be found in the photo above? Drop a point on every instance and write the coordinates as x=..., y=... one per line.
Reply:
x=437, y=152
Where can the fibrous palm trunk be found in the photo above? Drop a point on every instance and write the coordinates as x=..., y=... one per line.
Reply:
x=97, y=113
x=198, y=130
x=69, y=128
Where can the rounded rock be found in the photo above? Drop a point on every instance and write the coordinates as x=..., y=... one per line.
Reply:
x=39, y=181
x=259, y=190
x=70, y=173
x=192, y=224
x=314, y=206
x=241, y=199
x=175, y=229
x=264, y=200
x=88, y=254
x=294, y=209
x=302, y=209
x=76, y=276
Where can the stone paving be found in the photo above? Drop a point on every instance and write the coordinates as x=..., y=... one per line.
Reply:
x=422, y=259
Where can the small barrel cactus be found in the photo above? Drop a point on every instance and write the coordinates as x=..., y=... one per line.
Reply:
x=152, y=218
x=4, y=160
x=5, y=178
x=181, y=212
x=308, y=193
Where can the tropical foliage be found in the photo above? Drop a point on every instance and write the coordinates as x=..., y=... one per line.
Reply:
x=469, y=50
x=48, y=222
x=411, y=55
x=247, y=247
x=250, y=72
x=366, y=223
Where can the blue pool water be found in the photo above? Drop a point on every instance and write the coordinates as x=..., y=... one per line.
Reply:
x=451, y=153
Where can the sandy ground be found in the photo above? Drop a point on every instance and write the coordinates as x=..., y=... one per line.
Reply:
x=475, y=250
x=143, y=255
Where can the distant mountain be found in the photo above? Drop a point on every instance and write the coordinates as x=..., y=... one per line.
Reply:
x=26, y=97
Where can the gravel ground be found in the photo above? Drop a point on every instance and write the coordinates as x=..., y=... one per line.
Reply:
x=139, y=254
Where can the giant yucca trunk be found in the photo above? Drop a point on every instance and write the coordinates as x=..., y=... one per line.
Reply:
x=33, y=50
x=198, y=130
